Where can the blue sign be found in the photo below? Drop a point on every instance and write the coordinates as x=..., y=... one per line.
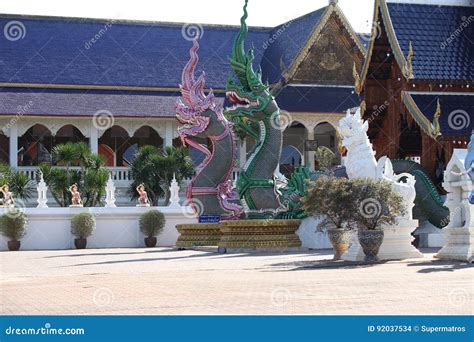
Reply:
x=208, y=218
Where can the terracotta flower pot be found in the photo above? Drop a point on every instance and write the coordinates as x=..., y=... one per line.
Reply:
x=340, y=239
x=14, y=245
x=370, y=241
x=150, y=241
x=80, y=243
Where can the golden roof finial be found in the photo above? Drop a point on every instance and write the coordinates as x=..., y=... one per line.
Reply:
x=357, y=82
x=407, y=69
x=436, y=130
x=363, y=106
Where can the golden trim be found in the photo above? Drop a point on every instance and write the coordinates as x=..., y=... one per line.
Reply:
x=370, y=49
x=437, y=114
x=350, y=30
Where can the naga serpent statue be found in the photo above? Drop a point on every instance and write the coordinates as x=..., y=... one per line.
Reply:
x=201, y=118
x=255, y=112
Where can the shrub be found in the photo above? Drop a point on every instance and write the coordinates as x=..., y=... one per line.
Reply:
x=82, y=225
x=377, y=203
x=13, y=224
x=331, y=199
x=152, y=223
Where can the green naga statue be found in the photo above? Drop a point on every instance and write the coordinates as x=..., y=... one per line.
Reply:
x=255, y=112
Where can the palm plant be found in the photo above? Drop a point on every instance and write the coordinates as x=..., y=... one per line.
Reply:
x=19, y=183
x=155, y=168
x=91, y=177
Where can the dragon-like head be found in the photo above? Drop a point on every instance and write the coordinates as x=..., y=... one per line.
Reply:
x=249, y=96
x=353, y=129
x=198, y=113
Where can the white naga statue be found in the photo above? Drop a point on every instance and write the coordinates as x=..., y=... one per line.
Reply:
x=360, y=161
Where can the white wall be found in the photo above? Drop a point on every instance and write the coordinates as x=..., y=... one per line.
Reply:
x=50, y=228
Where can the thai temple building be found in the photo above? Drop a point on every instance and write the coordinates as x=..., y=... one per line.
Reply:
x=114, y=83
x=417, y=81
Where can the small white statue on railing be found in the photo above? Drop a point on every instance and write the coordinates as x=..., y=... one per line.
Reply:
x=76, y=201
x=143, y=200
x=8, y=200
x=42, y=189
x=110, y=193
x=174, y=193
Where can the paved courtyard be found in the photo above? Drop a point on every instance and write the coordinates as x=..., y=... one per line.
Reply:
x=165, y=281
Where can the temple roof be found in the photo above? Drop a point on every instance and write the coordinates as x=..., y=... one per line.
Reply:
x=55, y=102
x=125, y=53
x=321, y=99
x=441, y=37
x=456, y=112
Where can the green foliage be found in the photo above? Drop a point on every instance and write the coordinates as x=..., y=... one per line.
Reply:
x=154, y=167
x=331, y=199
x=13, y=224
x=82, y=225
x=152, y=223
x=325, y=157
x=20, y=185
x=91, y=177
x=377, y=203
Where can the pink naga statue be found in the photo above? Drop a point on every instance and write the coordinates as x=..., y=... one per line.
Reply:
x=202, y=120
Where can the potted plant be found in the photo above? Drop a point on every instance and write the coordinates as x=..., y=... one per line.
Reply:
x=13, y=225
x=331, y=199
x=151, y=224
x=82, y=226
x=378, y=205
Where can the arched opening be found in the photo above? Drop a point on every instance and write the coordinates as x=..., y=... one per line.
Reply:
x=4, y=148
x=34, y=147
x=69, y=133
x=118, y=148
x=325, y=135
x=292, y=156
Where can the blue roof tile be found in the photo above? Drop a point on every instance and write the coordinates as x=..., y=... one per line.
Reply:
x=442, y=38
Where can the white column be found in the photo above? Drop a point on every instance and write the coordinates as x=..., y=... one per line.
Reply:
x=14, y=146
x=169, y=134
x=242, y=152
x=310, y=154
x=94, y=139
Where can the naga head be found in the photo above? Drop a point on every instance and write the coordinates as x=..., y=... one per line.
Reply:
x=353, y=129
x=249, y=96
x=199, y=114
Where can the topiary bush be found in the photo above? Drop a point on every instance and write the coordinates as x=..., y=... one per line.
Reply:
x=152, y=223
x=82, y=225
x=13, y=224
x=332, y=199
x=377, y=203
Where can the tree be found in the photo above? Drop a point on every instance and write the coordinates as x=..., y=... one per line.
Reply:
x=91, y=178
x=20, y=185
x=155, y=167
